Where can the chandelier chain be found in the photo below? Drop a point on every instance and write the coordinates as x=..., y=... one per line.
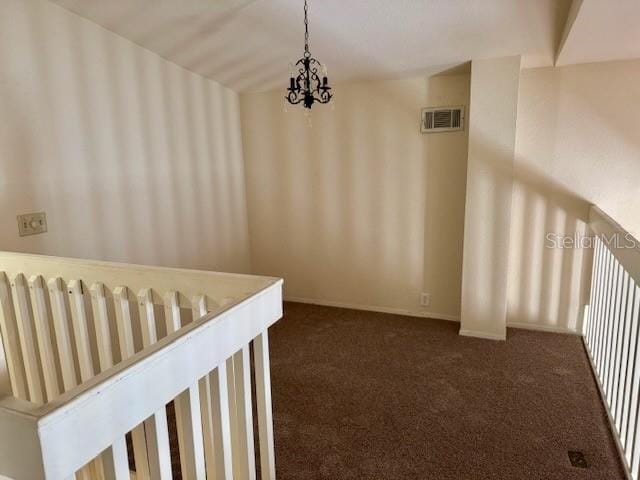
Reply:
x=306, y=29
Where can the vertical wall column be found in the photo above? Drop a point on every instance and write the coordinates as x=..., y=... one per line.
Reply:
x=492, y=132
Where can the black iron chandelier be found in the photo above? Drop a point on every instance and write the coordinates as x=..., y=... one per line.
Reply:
x=306, y=87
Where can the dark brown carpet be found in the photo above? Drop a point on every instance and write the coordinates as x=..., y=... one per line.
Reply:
x=360, y=395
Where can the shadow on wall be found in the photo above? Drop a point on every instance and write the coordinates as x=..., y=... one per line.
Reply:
x=548, y=278
x=133, y=158
x=547, y=286
x=576, y=146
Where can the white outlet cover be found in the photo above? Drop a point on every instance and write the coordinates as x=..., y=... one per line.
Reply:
x=425, y=299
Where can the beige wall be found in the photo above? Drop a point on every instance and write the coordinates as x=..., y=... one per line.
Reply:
x=492, y=132
x=578, y=142
x=361, y=208
x=132, y=158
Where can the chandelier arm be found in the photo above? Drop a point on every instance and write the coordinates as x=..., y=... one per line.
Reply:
x=324, y=96
x=295, y=98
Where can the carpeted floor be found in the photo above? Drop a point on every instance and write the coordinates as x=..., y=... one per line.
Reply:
x=360, y=395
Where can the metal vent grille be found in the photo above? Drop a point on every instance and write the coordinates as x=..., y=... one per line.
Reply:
x=577, y=459
x=442, y=119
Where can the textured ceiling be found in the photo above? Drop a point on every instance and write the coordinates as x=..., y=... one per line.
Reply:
x=248, y=45
x=602, y=30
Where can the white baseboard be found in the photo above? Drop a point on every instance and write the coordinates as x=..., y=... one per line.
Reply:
x=373, y=308
x=433, y=315
x=543, y=328
x=484, y=335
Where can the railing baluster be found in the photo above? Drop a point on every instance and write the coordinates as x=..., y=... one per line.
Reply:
x=81, y=333
x=11, y=340
x=127, y=349
x=198, y=310
x=61, y=327
x=63, y=333
x=114, y=461
x=155, y=427
x=263, y=401
x=614, y=321
x=596, y=308
x=233, y=415
x=609, y=331
x=245, y=465
x=603, y=316
x=620, y=321
x=101, y=321
x=221, y=423
x=604, y=272
x=83, y=347
x=595, y=283
x=187, y=407
x=635, y=381
x=44, y=337
x=27, y=339
x=622, y=405
x=626, y=408
x=635, y=447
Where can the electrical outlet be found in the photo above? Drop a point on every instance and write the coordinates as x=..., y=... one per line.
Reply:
x=32, y=224
x=425, y=299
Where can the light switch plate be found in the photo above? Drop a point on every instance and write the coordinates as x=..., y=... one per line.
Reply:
x=32, y=224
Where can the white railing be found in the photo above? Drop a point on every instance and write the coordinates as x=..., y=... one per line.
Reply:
x=611, y=332
x=97, y=350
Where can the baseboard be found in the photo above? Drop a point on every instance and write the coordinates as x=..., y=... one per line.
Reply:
x=433, y=315
x=484, y=335
x=543, y=328
x=373, y=308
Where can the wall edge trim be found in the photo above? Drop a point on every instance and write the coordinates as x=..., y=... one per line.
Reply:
x=543, y=328
x=483, y=335
x=373, y=308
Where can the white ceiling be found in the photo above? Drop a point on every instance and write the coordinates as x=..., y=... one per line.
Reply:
x=248, y=44
x=602, y=30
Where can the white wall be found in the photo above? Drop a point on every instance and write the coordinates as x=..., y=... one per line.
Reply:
x=579, y=126
x=578, y=142
x=361, y=208
x=492, y=132
x=133, y=158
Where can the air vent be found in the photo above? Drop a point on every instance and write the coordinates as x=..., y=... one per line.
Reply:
x=442, y=119
x=577, y=459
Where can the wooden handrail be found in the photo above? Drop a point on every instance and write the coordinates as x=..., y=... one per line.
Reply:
x=628, y=252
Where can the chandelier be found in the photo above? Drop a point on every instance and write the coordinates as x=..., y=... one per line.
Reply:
x=305, y=85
